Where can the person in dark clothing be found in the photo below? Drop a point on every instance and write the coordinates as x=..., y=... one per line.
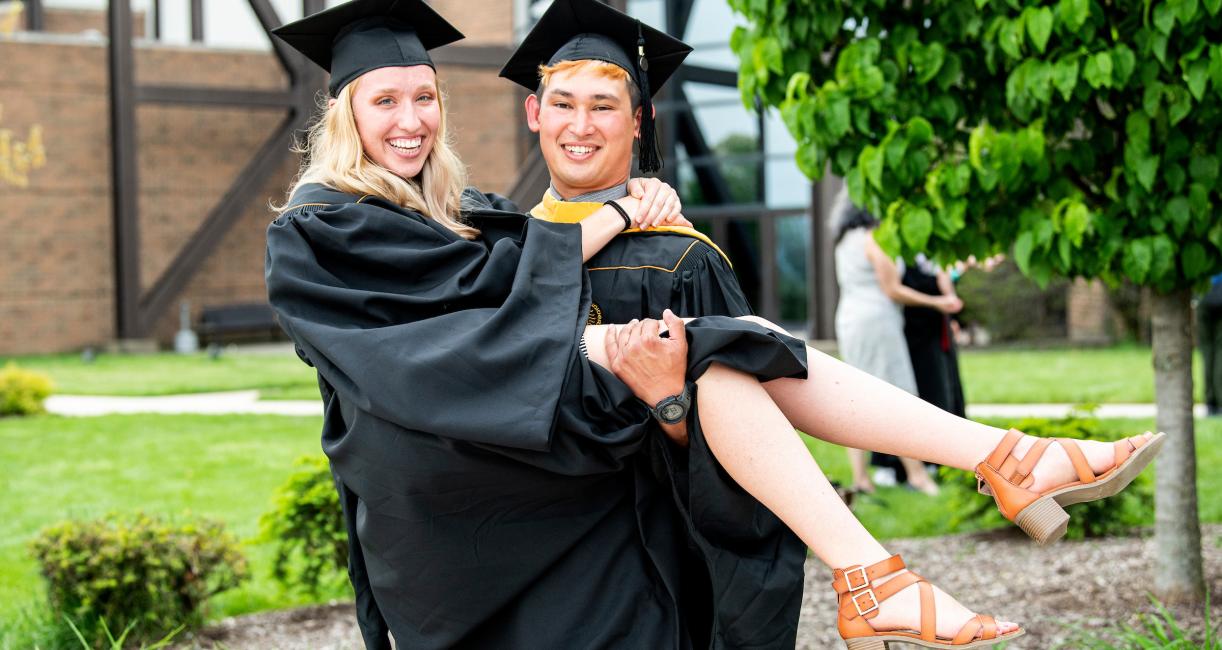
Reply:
x=1209, y=338
x=499, y=459
x=931, y=340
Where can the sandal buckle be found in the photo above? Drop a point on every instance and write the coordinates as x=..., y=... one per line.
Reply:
x=873, y=600
x=848, y=578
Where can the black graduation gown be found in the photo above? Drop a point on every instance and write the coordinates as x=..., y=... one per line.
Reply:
x=931, y=346
x=501, y=490
x=639, y=274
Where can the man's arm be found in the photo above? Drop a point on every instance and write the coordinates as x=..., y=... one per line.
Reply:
x=652, y=366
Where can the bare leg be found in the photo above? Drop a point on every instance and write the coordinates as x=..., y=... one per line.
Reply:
x=843, y=405
x=756, y=444
x=861, y=474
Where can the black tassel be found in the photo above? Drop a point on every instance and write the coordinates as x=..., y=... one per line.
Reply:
x=649, y=158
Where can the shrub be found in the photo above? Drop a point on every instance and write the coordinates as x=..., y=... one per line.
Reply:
x=23, y=392
x=1116, y=515
x=307, y=527
x=990, y=299
x=136, y=574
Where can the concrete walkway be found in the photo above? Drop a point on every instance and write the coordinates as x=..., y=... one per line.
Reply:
x=243, y=401
x=247, y=401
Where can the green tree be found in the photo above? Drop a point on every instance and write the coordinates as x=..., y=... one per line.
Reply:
x=1079, y=135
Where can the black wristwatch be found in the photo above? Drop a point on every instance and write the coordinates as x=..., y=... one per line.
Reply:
x=673, y=409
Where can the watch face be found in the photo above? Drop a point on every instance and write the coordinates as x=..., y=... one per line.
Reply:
x=672, y=412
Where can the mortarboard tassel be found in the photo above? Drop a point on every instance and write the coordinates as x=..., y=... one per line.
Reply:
x=649, y=158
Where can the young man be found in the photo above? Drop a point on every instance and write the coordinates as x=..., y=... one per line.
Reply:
x=591, y=103
x=593, y=71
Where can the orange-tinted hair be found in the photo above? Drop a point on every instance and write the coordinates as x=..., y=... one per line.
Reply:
x=590, y=66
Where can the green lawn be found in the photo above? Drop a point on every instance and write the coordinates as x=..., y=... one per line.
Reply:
x=1063, y=375
x=227, y=467
x=224, y=467
x=1100, y=375
x=169, y=374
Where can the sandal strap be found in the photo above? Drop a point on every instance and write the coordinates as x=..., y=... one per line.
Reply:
x=929, y=613
x=968, y=632
x=865, y=602
x=1080, y=464
x=856, y=577
x=990, y=626
x=1004, y=448
x=1125, y=448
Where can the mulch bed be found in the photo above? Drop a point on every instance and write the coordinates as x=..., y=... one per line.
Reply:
x=1091, y=585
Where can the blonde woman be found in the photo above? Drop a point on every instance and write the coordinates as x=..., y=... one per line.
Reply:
x=501, y=488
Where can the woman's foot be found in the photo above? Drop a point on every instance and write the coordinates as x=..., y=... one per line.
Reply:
x=884, y=602
x=1033, y=479
x=863, y=487
x=902, y=612
x=1055, y=469
x=925, y=486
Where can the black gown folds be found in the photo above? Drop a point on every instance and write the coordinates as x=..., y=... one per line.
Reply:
x=641, y=273
x=501, y=491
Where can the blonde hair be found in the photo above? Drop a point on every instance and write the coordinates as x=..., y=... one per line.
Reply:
x=334, y=157
x=591, y=66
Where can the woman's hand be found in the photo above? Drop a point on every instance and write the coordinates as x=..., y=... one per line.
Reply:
x=660, y=204
x=948, y=304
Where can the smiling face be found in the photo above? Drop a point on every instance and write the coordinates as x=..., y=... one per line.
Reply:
x=398, y=116
x=586, y=124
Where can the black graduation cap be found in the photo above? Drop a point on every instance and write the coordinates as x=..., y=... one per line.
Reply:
x=577, y=30
x=351, y=39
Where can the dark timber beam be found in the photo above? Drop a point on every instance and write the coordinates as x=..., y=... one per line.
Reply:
x=123, y=171
x=137, y=312
x=220, y=220
x=708, y=75
x=197, y=21
x=35, y=16
x=216, y=96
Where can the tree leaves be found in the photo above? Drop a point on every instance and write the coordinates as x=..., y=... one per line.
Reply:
x=1065, y=76
x=916, y=227
x=1197, y=77
x=1039, y=26
x=1098, y=70
x=1080, y=134
x=1074, y=13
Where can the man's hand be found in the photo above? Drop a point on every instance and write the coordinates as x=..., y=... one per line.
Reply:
x=660, y=204
x=653, y=367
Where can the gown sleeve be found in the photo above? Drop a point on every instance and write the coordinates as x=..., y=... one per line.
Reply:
x=422, y=328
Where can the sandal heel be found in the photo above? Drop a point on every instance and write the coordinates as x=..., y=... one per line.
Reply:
x=866, y=643
x=1044, y=521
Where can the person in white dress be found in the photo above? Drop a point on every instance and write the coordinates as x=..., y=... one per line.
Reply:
x=870, y=320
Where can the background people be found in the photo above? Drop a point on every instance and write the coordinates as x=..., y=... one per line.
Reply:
x=870, y=323
x=931, y=339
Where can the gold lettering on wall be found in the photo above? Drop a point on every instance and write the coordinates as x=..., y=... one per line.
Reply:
x=19, y=157
x=10, y=17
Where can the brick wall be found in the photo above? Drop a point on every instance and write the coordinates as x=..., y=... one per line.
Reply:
x=1088, y=312
x=491, y=24
x=56, y=267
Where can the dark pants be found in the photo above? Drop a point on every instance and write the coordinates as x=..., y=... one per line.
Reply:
x=1209, y=338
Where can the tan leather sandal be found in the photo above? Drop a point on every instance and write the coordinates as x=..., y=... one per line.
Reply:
x=860, y=598
x=1041, y=515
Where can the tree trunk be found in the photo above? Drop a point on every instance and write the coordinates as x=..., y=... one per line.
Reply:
x=1177, y=529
